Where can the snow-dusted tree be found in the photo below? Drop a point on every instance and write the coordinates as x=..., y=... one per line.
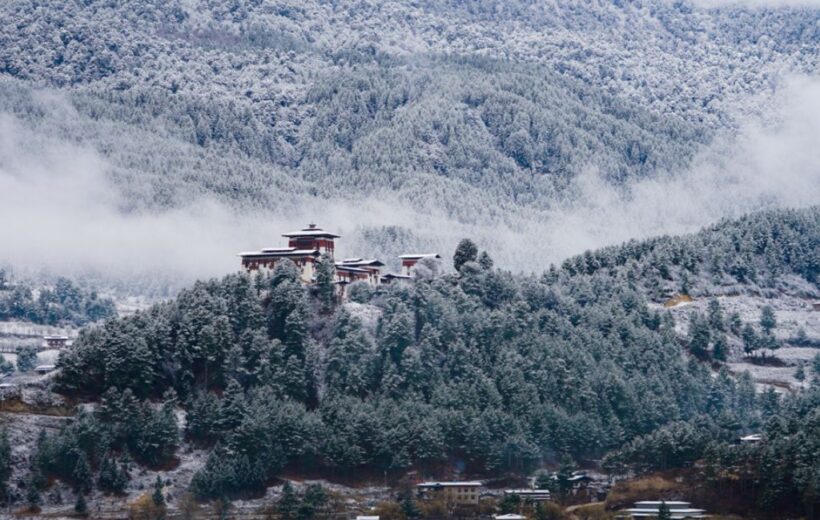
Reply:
x=466, y=251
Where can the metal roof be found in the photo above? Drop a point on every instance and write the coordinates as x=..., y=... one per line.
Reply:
x=468, y=483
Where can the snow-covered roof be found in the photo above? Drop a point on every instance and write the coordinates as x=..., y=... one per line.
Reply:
x=467, y=483
x=55, y=338
x=351, y=269
x=754, y=437
x=367, y=517
x=280, y=252
x=311, y=231
x=657, y=503
x=527, y=491
x=509, y=516
x=417, y=256
x=362, y=261
x=44, y=368
x=675, y=513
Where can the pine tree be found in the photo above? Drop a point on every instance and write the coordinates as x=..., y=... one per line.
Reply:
x=465, y=252
x=768, y=321
x=720, y=348
x=288, y=503
x=32, y=492
x=409, y=507
x=5, y=464
x=82, y=474
x=485, y=261
x=325, y=276
x=751, y=342
x=158, y=497
x=80, y=506
x=664, y=513
x=800, y=374
x=715, y=313
x=699, y=336
x=26, y=359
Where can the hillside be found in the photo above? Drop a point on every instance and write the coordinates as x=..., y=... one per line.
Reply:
x=499, y=373
x=441, y=118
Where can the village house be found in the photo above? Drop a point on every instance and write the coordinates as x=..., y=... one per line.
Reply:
x=307, y=245
x=533, y=495
x=753, y=438
x=409, y=261
x=57, y=342
x=651, y=508
x=462, y=493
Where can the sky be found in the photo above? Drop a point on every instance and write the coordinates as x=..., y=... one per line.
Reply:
x=64, y=215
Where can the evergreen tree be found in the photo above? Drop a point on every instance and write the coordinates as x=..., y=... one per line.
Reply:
x=465, y=252
x=82, y=474
x=313, y=501
x=158, y=496
x=325, y=276
x=409, y=507
x=33, y=498
x=751, y=342
x=288, y=504
x=26, y=359
x=720, y=348
x=715, y=313
x=799, y=373
x=768, y=321
x=5, y=464
x=664, y=513
x=80, y=506
x=485, y=261
x=699, y=336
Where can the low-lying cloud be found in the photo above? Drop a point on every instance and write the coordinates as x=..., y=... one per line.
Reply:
x=757, y=4
x=60, y=212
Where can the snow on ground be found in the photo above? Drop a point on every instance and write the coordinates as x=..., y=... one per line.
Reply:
x=793, y=313
x=26, y=329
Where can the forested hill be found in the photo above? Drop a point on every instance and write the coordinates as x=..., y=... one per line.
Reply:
x=496, y=370
x=752, y=253
x=470, y=108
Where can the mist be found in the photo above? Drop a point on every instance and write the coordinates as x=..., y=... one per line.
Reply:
x=62, y=214
x=757, y=4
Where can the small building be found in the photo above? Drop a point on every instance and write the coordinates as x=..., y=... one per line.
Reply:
x=752, y=438
x=651, y=508
x=367, y=517
x=392, y=278
x=304, y=248
x=465, y=492
x=44, y=369
x=409, y=261
x=815, y=306
x=510, y=516
x=580, y=479
x=533, y=495
x=360, y=269
x=55, y=341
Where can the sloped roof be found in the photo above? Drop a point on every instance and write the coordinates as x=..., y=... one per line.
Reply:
x=311, y=231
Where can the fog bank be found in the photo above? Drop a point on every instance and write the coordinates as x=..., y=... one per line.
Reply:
x=61, y=212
